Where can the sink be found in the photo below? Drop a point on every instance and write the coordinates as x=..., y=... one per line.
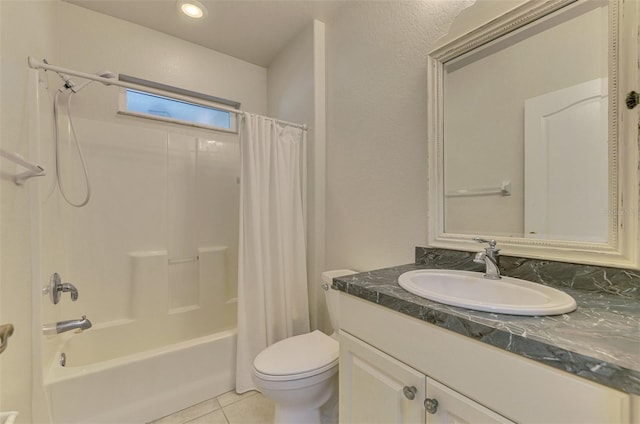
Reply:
x=472, y=291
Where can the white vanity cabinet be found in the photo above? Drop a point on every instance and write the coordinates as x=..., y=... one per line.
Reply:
x=375, y=388
x=446, y=406
x=385, y=357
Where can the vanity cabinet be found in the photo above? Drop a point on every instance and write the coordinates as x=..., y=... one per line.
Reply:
x=373, y=386
x=386, y=356
x=454, y=408
x=376, y=388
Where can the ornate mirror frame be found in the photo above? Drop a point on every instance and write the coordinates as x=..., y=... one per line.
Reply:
x=621, y=250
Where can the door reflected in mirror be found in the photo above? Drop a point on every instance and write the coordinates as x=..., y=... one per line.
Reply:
x=526, y=148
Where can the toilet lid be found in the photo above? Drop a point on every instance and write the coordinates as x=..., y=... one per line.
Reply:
x=303, y=356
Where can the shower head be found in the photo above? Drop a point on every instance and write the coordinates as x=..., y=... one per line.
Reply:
x=69, y=84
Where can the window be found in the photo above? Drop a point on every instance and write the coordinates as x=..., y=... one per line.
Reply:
x=202, y=112
x=165, y=107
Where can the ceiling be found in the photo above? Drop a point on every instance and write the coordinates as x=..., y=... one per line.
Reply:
x=251, y=30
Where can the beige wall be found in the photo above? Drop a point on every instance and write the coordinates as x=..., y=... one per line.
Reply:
x=296, y=87
x=26, y=28
x=91, y=42
x=376, y=129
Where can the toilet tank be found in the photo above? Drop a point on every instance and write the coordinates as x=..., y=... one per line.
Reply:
x=332, y=296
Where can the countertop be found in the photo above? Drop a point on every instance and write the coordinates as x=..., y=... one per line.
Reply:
x=600, y=341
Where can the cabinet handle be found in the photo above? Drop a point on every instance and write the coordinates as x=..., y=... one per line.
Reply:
x=409, y=392
x=6, y=331
x=632, y=99
x=431, y=405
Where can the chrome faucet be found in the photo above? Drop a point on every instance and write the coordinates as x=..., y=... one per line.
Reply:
x=64, y=326
x=490, y=257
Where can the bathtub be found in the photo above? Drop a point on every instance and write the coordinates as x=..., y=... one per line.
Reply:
x=140, y=387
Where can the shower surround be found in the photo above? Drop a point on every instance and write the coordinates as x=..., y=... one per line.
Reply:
x=154, y=257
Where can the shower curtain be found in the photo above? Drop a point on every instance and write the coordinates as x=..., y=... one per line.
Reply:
x=272, y=274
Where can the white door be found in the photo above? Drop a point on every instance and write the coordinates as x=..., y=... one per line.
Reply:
x=450, y=407
x=566, y=164
x=376, y=388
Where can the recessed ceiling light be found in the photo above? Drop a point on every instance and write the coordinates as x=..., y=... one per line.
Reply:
x=192, y=8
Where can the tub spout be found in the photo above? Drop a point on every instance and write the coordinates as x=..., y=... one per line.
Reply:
x=64, y=326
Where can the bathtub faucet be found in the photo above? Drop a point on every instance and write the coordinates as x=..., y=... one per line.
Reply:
x=64, y=326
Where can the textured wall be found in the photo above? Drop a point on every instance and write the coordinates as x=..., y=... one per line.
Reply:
x=376, y=129
x=296, y=93
x=26, y=30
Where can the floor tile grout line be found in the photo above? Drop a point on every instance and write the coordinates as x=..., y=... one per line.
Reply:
x=225, y=414
x=240, y=398
x=206, y=413
x=187, y=408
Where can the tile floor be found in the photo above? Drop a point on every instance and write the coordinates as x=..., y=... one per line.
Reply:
x=228, y=408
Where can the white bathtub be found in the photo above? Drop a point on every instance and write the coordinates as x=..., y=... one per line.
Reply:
x=140, y=387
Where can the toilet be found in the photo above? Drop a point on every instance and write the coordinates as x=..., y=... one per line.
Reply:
x=300, y=373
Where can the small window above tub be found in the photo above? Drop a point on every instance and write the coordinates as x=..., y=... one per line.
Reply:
x=204, y=111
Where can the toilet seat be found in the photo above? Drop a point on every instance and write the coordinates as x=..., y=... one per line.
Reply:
x=297, y=357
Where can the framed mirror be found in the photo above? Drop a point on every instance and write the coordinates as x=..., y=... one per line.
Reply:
x=530, y=142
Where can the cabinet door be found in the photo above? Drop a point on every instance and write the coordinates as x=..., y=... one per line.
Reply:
x=453, y=408
x=376, y=388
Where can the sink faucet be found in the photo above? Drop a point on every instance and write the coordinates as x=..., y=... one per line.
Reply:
x=490, y=257
x=64, y=326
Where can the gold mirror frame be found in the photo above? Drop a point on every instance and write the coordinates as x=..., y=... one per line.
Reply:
x=621, y=250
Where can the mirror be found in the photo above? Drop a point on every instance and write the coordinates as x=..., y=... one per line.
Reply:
x=525, y=146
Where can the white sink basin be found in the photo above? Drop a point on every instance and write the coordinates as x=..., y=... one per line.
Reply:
x=472, y=291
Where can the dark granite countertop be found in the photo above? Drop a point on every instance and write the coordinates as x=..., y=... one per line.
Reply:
x=600, y=341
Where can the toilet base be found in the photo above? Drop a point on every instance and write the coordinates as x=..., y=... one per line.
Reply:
x=301, y=401
x=288, y=415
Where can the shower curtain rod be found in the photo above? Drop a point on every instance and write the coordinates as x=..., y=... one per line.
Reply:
x=36, y=64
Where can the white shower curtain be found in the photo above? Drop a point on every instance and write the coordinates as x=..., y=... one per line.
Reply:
x=272, y=272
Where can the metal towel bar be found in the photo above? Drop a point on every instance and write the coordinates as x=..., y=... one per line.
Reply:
x=33, y=170
x=503, y=190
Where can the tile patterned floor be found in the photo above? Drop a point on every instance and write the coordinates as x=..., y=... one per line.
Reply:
x=228, y=408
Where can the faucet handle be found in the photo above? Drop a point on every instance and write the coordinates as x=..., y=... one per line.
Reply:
x=479, y=257
x=56, y=286
x=492, y=243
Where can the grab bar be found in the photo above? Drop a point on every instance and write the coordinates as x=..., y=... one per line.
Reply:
x=6, y=331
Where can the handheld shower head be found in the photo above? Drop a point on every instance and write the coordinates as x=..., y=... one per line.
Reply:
x=69, y=84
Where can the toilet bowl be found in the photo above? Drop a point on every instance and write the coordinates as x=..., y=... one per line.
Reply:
x=300, y=373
